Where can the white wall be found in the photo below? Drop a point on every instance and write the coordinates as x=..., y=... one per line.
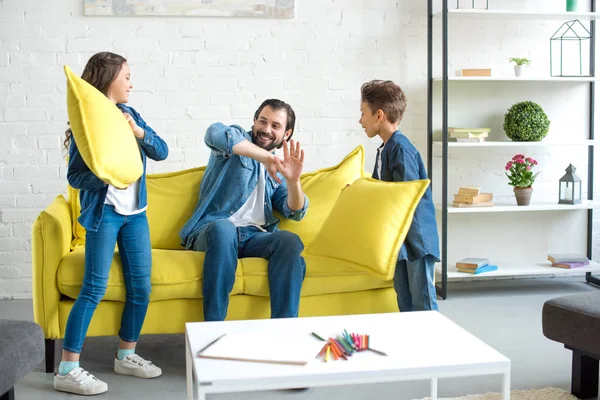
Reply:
x=189, y=72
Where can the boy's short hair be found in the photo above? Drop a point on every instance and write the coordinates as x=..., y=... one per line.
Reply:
x=385, y=96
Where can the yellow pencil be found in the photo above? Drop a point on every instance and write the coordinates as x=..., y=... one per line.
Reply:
x=327, y=353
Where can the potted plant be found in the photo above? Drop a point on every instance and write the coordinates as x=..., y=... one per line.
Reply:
x=526, y=121
x=519, y=62
x=521, y=177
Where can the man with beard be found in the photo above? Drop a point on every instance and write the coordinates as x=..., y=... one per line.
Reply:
x=243, y=182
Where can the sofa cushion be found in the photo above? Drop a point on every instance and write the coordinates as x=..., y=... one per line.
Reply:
x=368, y=224
x=322, y=277
x=171, y=201
x=103, y=135
x=574, y=320
x=176, y=274
x=322, y=187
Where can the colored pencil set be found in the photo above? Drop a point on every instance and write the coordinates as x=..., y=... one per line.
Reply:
x=344, y=345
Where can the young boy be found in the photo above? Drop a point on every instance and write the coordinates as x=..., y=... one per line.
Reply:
x=382, y=108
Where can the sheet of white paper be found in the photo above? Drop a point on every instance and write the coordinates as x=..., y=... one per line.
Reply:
x=297, y=349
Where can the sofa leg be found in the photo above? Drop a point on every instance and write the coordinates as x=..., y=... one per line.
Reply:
x=10, y=395
x=50, y=345
x=584, y=378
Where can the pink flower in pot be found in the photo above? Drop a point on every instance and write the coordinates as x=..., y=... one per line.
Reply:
x=521, y=177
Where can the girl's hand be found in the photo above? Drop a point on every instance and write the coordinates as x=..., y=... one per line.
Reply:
x=137, y=131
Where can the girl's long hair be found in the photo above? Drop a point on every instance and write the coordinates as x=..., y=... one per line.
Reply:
x=100, y=71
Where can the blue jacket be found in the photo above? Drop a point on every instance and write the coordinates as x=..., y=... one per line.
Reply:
x=401, y=162
x=229, y=180
x=92, y=190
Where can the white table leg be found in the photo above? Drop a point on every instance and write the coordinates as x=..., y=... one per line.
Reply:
x=506, y=385
x=189, y=370
x=434, y=388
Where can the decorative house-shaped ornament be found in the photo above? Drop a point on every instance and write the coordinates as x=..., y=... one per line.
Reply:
x=569, y=187
x=570, y=50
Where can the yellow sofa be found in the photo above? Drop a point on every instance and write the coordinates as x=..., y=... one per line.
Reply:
x=176, y=298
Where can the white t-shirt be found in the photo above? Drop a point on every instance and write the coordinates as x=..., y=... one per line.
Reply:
x=252, y=213
x=379, y=150
x=125, y=201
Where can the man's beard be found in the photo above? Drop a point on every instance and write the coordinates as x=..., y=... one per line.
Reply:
x=270, y=145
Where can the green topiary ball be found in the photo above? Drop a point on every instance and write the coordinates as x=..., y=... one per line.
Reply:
x=526, y=122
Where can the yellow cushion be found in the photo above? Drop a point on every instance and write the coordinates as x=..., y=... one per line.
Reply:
x=171, y=201
x=104, y=138
x=368, y=224
x=175, y=275
x=323, y=276
x=322, y=187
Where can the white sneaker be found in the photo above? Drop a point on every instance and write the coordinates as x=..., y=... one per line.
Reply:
x=135, y=365
x=79, y=381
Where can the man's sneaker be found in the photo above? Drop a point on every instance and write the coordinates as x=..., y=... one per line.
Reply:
x=136, y=366
x=79, y=381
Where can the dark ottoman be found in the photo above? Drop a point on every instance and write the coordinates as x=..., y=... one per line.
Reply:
x=575, y=321
x=21, y=350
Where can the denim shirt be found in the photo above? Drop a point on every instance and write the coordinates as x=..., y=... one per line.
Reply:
x=401, y=162
x=92, y=190
x=229, y=180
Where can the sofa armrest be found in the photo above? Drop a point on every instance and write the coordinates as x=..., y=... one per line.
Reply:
x=50, y=242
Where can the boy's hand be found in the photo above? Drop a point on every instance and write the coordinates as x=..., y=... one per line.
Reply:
x=293, y=161
x=137, y=131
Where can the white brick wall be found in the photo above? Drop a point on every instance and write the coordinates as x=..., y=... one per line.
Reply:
x=189, y=72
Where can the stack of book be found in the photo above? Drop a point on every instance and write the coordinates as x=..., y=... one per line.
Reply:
x=475, y=265
x=469, y=196
x=469, y=135
x=568, y=261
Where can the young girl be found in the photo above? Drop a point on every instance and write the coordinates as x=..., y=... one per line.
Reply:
x=111, y=216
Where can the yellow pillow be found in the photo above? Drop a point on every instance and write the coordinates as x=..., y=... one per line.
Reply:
x=78, y=229
x=368, y=225
x=322, y=187
x=103, y=136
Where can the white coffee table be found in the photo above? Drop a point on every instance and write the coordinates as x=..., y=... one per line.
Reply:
x=421, y=346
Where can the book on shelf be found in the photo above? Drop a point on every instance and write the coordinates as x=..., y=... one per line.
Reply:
x=480, y=270
x=470, y=140
x=476, y=72
x=469, y=205
x=469, y=190
x=469, y=133
x=556, y=258
x=571, y=265
x=480, y=198
x=472, y=262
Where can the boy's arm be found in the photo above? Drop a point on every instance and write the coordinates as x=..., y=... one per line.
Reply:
x=404, y=168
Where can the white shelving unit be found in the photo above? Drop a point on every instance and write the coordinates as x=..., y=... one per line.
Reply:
x=532, y=15
x=438, y=144
x=512, y=271
x=442, y=148
x=554, y=79
x=499, y=207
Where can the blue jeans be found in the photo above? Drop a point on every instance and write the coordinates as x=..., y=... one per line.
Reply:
x=132, y=235
x=413, y=281
x=224, y=243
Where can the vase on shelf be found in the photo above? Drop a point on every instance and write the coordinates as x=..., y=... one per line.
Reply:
x=518, y=70
x=523, y=195
x=571, y=5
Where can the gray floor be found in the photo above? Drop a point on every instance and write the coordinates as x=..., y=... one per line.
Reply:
x=505, y=314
